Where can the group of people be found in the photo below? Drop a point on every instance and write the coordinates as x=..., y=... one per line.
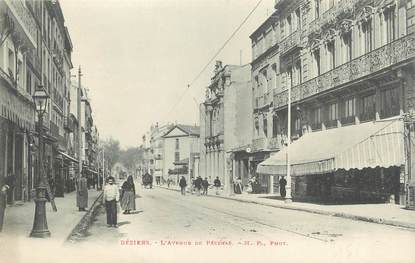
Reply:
x=199, y=185
x=112, y=196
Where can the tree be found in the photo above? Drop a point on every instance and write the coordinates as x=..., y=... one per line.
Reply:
x=112, y=151
x=129, y=157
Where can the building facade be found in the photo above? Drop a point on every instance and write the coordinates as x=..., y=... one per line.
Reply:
x=224, y=122
x=345, y=64
x=156, y=166
x=181, y=145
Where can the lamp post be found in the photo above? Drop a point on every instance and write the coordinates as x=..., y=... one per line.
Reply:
x=40, y=224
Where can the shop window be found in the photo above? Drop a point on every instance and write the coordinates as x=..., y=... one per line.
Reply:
x=349, y=110
x=368, y=108
x=389, y=100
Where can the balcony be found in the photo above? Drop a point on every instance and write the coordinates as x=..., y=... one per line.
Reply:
x=23, y=20
x=342, y=7
x=290, y=42
x=69, y=124
x=259, y=144
x=263, y=100
x=382, y=58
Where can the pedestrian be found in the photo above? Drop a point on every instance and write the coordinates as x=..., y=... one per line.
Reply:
x=82, y=193
x=10, y=182
x=216, y=184
x=283, y=183
x=3, y=201
x=198, y=185
x=183, y=184
x=238, y=187
x=128, y=195
x=111, y=197
x=193, y=189
x=205, y=184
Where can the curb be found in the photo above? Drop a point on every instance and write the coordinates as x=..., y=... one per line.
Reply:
x=85, y=222
x=368, y=219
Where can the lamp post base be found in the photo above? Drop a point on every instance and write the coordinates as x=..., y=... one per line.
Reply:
x=40, y=224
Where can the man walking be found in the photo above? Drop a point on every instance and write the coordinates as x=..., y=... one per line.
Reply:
x=217, y=184
x=183, y=184
x=111, y=197
x=198, y=185
x=205, y=185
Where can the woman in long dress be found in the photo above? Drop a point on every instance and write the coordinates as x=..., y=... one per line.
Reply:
x=128, y=195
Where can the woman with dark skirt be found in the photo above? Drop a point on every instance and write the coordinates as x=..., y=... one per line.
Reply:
x=128, y=195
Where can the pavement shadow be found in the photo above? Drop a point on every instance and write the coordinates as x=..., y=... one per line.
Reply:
x=136, y=212
x=124, y=223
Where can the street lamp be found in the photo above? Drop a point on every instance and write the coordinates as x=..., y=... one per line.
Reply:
x=40, y=224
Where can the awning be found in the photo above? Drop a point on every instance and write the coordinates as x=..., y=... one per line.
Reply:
x=68, y=157
x=365, y=145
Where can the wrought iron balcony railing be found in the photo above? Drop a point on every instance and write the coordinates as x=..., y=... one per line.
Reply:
x=390, y=54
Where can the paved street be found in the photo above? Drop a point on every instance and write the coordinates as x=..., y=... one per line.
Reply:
x=167, y=223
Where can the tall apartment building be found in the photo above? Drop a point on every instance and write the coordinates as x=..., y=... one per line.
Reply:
x=225, y=118
x=348, y=66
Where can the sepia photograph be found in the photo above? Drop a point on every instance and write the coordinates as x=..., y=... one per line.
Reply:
x=207, y=131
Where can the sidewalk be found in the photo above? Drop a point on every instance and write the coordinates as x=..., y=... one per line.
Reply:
x=18, y=220
x=388, y=214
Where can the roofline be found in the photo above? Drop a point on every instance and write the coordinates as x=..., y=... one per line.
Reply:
x=266, y=22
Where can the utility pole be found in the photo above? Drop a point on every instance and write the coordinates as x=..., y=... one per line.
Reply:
x=288, y=187
x=79, y=124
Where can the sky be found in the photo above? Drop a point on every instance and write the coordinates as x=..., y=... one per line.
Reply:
x=138, y=56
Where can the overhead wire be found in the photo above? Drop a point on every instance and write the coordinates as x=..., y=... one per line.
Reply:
x=214, y=56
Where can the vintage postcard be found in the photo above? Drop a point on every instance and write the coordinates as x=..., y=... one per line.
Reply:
x=207, y=131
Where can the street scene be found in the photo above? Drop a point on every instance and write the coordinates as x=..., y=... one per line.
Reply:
x=200, y=131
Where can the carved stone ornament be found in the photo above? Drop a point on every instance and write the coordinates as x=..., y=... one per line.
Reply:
x=315, y=44
x=346, y=26
x=330, y=35
x=366, y=13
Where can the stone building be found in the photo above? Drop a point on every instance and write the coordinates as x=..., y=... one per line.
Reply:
x=225, y=123
x=348, y=67
x=181, y=145
x=156, y=165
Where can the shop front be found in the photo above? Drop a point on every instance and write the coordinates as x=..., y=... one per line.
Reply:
x=361, y=163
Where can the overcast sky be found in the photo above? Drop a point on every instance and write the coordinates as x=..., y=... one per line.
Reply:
x=137, y=56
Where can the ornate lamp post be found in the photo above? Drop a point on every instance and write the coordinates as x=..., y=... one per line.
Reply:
x=40, y=224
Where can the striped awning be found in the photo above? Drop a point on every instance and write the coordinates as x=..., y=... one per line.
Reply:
x=365, y=145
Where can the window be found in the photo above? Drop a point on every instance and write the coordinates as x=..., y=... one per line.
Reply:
x=297, y=125
x=274, y=74
x=331, y=55
x=29, y=82
x=390, y=22
x=367, y=36
x=289, y=25
x=265, y=126
x=11, y=63
x=333, y=111
x=347, y=47
x=316, y=117
x=275, y=126
x=177, y=144
x=317, y=8
x=176, y=156
x=316, y=57
x=331, y=3
x=350, y=107
x=289, y=77
x=298, y=73
x=389, y=100
x=368, y=108
x=298, y=19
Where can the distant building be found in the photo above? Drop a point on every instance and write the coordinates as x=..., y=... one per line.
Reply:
x=181, y=144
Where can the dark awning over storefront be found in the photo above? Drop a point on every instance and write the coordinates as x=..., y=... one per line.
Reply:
x=365, y=145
